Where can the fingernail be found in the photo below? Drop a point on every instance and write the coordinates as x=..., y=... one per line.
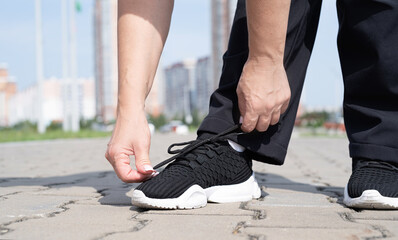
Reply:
x=154, y=174
x=240, y=119
x=148, y=168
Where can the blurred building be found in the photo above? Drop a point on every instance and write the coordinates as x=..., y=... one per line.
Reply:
x=188, y=87
x=204, y=85
x=8, y=88
x=23, y=105
x=154, y=104
x=180, y=92
x=105, y=45
x=222, y=13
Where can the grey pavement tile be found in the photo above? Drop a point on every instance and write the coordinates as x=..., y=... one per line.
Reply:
x=70, y=191
x=77, y=222
x=57, y=157
x=284, y=233
x=185, y=227
x=271, y=176
x=26, y=205
x=304, y=217
x=95, y=180
x=375, y=215
x=4, y=191
x=212, y=209
x=294, y=195
x=388, y=229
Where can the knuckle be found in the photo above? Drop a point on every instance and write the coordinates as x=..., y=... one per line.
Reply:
x=248, y=127
x=287, y=97
x=270, y=105
x=143, y=161
x=111, y=152
x=238, y=90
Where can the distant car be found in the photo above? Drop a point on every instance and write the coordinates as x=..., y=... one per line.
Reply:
x=176, y=127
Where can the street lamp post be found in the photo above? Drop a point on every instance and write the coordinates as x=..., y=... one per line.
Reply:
x=66, y=123
x=41, y=126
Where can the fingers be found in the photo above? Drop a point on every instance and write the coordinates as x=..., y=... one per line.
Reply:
x=142, y=162
x=249, y=123
x=124, y=171
x=260, y=123
x=120, y=162
x=284, y=107
x=275, y=117
x=127, y=174
x=263, y=123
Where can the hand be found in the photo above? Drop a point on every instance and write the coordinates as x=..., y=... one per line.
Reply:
x=263, y=94
x=131, y=136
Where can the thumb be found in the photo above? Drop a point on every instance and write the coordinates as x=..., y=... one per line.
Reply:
x=142, y=162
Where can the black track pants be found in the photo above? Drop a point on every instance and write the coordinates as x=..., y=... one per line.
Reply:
x=368, y=48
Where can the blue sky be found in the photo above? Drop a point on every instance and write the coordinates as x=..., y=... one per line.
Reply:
x=17, y=39
x=189, y=38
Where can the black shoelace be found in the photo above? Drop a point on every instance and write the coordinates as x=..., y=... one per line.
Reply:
x=194, y=144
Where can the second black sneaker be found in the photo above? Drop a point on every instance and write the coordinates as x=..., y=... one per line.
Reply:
x=372, y=185
x=205, y=170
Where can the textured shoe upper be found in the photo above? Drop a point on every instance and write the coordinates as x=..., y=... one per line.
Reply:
x=210, y=163
x=377, y=175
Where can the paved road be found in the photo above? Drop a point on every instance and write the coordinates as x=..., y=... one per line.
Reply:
x=65, y=189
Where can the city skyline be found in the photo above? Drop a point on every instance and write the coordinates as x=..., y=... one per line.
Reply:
x=189, y=38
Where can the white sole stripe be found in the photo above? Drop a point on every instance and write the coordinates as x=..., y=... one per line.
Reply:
x=370, y=199
x=196, y=196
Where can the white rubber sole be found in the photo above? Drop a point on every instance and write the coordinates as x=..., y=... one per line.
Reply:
x=370, y=199
x=196, y=196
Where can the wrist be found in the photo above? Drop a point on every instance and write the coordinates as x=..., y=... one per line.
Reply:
x=265, y=60
x=130, y=99
x=129, y=111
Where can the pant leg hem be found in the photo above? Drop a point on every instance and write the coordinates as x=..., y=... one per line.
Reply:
x=371, y=151
x=271, y=152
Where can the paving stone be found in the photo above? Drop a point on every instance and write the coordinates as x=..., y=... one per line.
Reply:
x=293, y=195
x=284, y=233
x=374, y=215
x=195, y=227
x=25, y=205
x=4, y=191
x=78, y=222
x=304, y=217
x=212, y=209
x=387, y=229
x=70, y=191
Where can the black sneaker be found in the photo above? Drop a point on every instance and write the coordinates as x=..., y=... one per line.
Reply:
x=372, y=185
x=205, y=170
